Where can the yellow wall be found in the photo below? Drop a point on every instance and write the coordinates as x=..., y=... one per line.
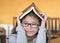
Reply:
x=11, y=8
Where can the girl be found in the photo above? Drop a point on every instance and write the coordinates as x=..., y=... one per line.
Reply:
x=30, y=28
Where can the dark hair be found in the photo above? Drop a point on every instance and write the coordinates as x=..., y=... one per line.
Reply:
x=32, y=14
x=29, y=14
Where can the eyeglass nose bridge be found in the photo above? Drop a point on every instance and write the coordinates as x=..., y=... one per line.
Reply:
x=29, y=25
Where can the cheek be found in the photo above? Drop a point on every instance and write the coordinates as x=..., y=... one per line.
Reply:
x=35, y=31
x=24, y=28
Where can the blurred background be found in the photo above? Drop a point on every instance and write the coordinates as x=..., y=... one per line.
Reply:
x=9, y=9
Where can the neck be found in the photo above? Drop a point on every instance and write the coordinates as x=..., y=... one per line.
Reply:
x=30, y=39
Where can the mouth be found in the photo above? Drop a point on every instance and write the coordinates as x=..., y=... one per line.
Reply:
x=29, y=31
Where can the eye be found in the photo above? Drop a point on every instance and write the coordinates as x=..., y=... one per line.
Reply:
x=26, y=23
x=34, y=24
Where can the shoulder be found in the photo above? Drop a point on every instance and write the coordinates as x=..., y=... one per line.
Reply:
x=12, y=38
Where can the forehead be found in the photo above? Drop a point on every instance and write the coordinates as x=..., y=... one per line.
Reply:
x=29, y=17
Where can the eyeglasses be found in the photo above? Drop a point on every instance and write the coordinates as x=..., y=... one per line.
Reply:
x=33, y=25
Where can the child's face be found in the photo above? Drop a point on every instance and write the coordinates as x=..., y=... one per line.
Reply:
x=30, y=25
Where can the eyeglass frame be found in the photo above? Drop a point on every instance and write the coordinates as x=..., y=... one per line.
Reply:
x=31, y=25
